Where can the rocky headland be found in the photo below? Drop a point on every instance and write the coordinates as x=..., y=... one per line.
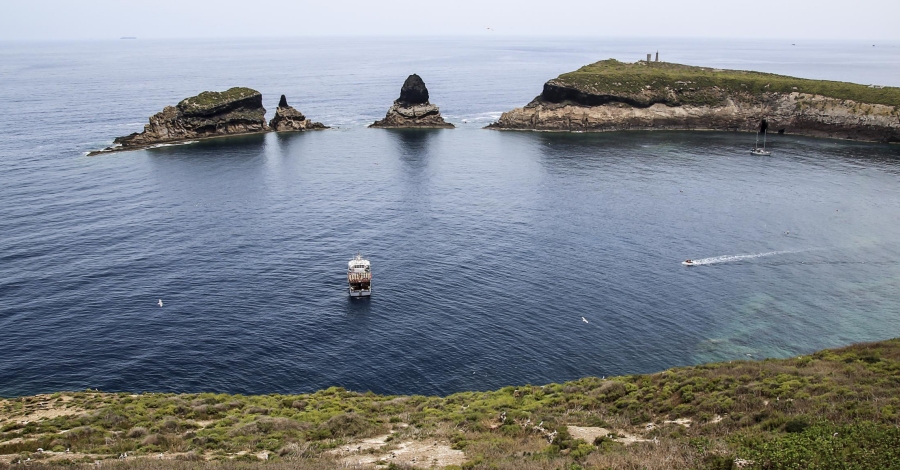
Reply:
x=412, y=109
x=611, y=95
x=289, y=119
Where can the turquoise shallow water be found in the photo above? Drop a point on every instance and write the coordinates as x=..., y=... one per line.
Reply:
x=487, y=247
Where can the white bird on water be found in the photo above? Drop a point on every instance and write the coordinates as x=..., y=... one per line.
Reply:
x=159, y=303
x=584, y=319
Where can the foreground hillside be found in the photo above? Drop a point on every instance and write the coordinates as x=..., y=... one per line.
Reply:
x=832, y=409
x=613, y=95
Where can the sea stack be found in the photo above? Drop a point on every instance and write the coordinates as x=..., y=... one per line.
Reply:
x=289, y=119
x=412, y=109
x=235, y=111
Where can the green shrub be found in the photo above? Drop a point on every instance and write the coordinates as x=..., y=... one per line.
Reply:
x=796, y=425
x=718, y=462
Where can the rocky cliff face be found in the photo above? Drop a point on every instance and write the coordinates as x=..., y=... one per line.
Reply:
x=289, y=119
x=737, y=102
x=412, y=109
x=792, y=113
x=209, y=114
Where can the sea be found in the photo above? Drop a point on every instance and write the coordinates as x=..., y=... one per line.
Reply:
x=499, y=258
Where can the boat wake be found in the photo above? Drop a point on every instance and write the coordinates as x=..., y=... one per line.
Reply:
x=731, y=258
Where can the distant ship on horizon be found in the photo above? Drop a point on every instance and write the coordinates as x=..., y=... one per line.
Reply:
x=128, y=37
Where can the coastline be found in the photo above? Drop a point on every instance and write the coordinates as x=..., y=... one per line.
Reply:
x=744, y=412
x=190, y=141
x=681, y=129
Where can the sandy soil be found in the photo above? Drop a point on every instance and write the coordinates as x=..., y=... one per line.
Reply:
x=686, y=422
x=586, y=433
x=425, y=453
x=589, y=433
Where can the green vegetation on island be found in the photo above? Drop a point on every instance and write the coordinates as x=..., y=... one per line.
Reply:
x=832, y=409
x=209, y=101
x=678, y=84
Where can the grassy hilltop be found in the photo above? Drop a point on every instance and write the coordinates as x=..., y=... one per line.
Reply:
x=685, y=84
x=832, y=409
x=209, y=102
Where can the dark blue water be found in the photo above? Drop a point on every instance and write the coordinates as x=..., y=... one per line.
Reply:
x=487, y=247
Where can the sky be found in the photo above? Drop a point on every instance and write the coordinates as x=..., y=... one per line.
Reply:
x=863, y=20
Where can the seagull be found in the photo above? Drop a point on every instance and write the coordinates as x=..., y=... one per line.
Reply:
x=159, y=303
x=584, y=319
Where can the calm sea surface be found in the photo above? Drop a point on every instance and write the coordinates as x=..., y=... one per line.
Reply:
x=488, y=248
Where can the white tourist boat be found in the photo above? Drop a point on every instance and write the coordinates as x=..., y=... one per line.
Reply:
x=359, y=277
x=757, y=150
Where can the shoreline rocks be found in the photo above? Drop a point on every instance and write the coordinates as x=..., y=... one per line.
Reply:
x=821, y=117
x=289, y=119
x=412, y=109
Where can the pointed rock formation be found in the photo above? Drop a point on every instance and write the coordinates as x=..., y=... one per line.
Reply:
x=412, y=109
x=289, y=119
x=210, y=114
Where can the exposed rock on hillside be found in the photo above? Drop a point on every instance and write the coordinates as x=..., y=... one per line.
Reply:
x=289, y=119
x=412, y=109
x=611, y=95
x=210, y=114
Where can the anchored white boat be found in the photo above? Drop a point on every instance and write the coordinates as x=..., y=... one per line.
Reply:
x=757, y=150
x=359, y=277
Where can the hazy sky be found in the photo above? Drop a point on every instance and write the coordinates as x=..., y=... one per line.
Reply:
x=869, y=20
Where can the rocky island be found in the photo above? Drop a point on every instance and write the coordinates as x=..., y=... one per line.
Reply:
x=610, y=95
x=289, y=119
x=412, y=109
x=236, y=111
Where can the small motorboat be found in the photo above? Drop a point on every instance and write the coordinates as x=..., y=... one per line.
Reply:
x=760, y=152
x=688, y=262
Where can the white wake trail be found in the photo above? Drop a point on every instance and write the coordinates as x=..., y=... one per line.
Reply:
x=730, y=258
